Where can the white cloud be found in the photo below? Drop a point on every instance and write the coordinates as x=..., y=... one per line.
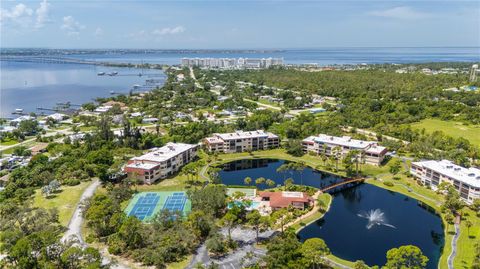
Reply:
x=71, y=26
x=98, y=32
x=403, y=13
x=169, y=31
x=42, y=14
x=18, y=14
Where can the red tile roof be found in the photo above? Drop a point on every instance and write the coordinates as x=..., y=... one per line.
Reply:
x=283, y=199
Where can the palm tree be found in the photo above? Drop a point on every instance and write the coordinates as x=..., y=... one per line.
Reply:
x=336, y=152
x=260, y=180
x=469, y=224
x=356, y=155
x=247, y=181
x=283, y=169
x=270, y=183
x=288, y=182
x=300, y=167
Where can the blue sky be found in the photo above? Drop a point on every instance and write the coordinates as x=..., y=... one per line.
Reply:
x=238, y=24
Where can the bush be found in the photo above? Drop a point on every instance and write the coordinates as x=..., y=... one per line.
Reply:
x=115, y=244
x=396, y=178
x=388, y=183
x=71, y=182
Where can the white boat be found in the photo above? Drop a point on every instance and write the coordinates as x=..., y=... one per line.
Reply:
x=100, y=73
x=19, y=110
x=112, y=92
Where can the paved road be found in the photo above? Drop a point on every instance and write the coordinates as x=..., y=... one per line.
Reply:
x=75, y=225
x=452, y=255
x=74, y=231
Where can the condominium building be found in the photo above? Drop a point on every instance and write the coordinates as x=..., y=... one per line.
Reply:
x=465, y=180
x=160, y=162
x=326, y=144
x=231, y=63
x=241, y=141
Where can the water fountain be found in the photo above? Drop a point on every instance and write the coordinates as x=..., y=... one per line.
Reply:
x=375, y=217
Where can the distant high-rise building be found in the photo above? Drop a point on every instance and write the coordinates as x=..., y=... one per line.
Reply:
x=232, y=63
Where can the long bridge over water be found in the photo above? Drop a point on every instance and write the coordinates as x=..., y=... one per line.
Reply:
x=50, y=59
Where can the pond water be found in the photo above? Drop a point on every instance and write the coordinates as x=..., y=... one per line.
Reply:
x=363, y=222
x=234, y=173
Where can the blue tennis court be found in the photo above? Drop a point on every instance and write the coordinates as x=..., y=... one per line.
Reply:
x=175, y=202
x=145, y=206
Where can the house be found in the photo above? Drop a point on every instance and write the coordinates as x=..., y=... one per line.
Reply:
x=465, y=180
x=325, y=144
x=241, y=141
x=284, y=199
x=39, y=148
x=149, y=120
x=122, y=105
x=103, y=109
x=57, y=117
x=160, y=162
x=16, y=121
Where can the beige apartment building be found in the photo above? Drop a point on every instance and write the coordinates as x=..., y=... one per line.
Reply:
x=325, y=144
x=465, y=180
x=241, y=141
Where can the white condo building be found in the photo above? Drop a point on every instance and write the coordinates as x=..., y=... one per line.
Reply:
x=241, y=141
x=160, y=162
x=325, y=144
x=231, y=63
x=465, y=180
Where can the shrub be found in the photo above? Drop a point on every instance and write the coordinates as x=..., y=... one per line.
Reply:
x=388, y=183
x=71, y=182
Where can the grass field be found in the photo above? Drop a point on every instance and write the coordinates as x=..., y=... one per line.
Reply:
x=65, y=201
x=451, y=128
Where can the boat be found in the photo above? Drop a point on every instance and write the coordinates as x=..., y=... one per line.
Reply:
x=18, y=110
x=100, y=73
x=136, y=86
x=112, y=92
x=114, y=73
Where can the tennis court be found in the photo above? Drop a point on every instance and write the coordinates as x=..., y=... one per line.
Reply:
x=146, y=205
x=246, y=191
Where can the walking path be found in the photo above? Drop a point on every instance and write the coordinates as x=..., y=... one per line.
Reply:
x=452, y=255
x=75, y=225
x=74, y=230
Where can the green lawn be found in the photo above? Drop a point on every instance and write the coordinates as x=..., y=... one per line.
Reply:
x=65, y=201
x=327, y=200
x=9, y=142
x=467, y=240
x=451, y=128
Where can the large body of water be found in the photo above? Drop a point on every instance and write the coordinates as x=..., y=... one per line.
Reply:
x=345, y=228
x=32, y=85
x=322, y=56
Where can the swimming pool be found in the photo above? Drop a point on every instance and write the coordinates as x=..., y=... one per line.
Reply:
x=253, y=205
